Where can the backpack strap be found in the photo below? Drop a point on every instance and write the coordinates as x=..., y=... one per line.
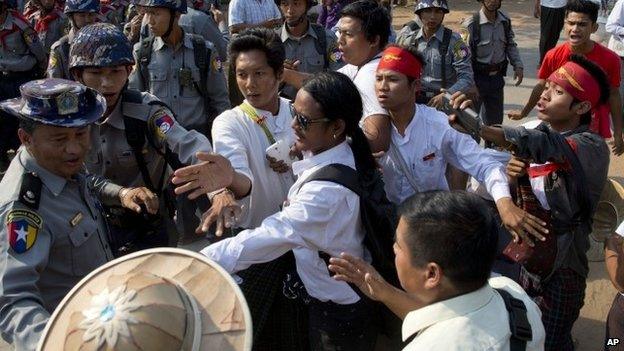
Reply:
x=202, y=54
x=321, y=43
x=475, y=36
x=339, y=174
x=446, y=41
x=414, y=27
x=518, y=321
x=145, y=56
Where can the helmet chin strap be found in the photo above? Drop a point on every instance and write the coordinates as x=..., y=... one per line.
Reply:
x=493, y=10
x=170, y=27
x=297, y=22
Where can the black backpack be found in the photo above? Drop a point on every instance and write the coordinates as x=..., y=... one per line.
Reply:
x=378, y=215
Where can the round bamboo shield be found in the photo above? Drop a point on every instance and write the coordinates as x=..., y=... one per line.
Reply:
x=159, y=299
x=609, y=213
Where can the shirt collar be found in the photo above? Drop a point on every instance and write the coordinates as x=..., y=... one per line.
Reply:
x=285, y=35
x=439, y=34
x=115, y=119
x=159, y=43
x=52, y=181
x=401, y=140
x=459, y=306
x=483, y=19
x=337, y=154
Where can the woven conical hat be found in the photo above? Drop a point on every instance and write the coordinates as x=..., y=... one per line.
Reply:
x=609, y=212
x=159, y=299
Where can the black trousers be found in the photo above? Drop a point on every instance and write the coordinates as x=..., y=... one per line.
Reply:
x=336, y=327
x=551, y=23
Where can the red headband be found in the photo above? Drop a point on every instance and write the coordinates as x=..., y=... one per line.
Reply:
x=400, y=60
x=578, y=82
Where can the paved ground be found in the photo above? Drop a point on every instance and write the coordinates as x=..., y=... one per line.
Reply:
x=589, y=329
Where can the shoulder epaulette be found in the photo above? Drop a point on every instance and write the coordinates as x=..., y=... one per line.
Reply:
x=30, y=190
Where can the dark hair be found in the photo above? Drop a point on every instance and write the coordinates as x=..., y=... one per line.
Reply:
x=339, y=98
x=454, y=229
x=587, y=7
x=374, y=17
x=261, y=39
x=412, y=50
x=601, y=78
x=28, y=125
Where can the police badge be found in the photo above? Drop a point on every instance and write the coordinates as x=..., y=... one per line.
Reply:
x=67, y=103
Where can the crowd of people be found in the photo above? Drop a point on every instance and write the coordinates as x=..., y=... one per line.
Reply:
x=358, y=183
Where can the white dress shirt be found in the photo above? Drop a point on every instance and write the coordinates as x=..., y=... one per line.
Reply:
x=364, y=80
x=615, y=27
x=320, y=216
x=475, y=321
x=243, y=142
x=429, y=144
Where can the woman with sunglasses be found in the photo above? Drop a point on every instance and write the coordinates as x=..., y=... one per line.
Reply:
x=318, y=216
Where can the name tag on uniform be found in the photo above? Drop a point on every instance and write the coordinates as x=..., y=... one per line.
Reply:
x=428, y=157
x=76, y=219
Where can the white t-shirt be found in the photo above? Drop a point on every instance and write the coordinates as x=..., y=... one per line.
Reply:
x=555, y=4
x=364, y=80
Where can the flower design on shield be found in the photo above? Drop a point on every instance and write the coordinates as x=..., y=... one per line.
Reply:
x=109, y=316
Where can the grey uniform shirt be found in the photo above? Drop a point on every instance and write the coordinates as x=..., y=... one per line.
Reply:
x=459, y=75
x=197, y=22
x=58, y=64
x=20, y=48
x=65, y=238
x=493, y=46
x=304, y=50
x=111, y=156
x=186, y=101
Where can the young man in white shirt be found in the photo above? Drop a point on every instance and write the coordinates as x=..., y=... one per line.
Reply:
x=445, y=246
x=423, y=144
x=363, y=31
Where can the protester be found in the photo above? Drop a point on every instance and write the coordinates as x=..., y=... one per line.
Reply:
x=493, y=47
x=54, y=232
x=310, y=48
x=443, y=263
x=580, y=23
x=243, y=14
x=330, y=12
x=80, y=13
x=363, y=32
x=49, y=22
x=567, y=165
x=551, y=14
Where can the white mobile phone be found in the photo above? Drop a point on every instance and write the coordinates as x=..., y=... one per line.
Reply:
x=281, y=152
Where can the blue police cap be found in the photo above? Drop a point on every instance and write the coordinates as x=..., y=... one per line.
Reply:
x=82, y=6
x=427, y=4
x=176, y=5
x=57, y=102
x=100, y=45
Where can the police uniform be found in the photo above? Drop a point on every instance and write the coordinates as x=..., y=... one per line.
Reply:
x=174, y=77
x=22, y=58
x=137, y=115
x=53, y=231
x=313, y=56
x=495, y=48
x=459, y=75
x=58, y=64
x=50, y=27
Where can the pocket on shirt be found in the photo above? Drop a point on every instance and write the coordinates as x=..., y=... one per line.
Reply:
x=314, y=64
x=158, y=82
x=430, y=171
x=86, y=246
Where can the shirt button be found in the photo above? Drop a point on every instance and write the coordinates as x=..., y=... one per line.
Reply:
x=108, y=162
x=86, y=234
x=103, y=140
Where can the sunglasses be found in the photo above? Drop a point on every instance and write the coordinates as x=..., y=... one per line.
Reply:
x=305, y=121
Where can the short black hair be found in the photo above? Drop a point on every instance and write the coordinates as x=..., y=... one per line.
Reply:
x=261, y=39
x=374, y=17
x=454, y=229
x=601, y=78
x=587, y=7
x=28, y=125
x=412, y=50
x=339, y=98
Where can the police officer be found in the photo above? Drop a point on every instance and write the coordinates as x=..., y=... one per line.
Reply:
x=49, y=22
x=181, y=69
x=80, y=13
x=310, y=48
x=53, y=231
x=22, y=58
x=136, y=139
x=492, y=44
x=447, y=55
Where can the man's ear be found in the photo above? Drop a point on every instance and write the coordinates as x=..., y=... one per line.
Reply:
x=594, y=27
x=25, y=138
x=434, y=275
x=582, y=108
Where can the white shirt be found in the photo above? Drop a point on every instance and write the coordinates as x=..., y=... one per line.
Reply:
x=242, y=141
x=429, y=144
x=321, y=216
x=474, y=321
x=615, y=27
x=364, y=80
x=555, y=4
x=252, y=11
